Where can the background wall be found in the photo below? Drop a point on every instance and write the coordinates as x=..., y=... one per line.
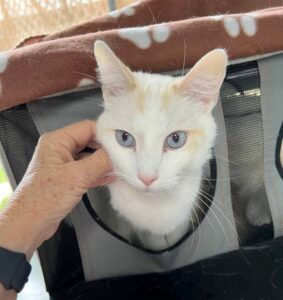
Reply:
x=20, y=19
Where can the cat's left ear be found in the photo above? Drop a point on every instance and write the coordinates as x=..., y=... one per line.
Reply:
x=203, y=82
x=115, y=77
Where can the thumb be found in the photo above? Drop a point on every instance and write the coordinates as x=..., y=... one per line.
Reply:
x=95, y=165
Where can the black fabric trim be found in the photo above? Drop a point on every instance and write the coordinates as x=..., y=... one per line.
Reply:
x=251, y=273
x=277, y=152
x=97, y=219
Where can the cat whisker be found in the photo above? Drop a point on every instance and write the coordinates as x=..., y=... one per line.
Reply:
x=220, y=157
x=87, y=75
x=180, y=176
x=233, y=227
x=123, y=176
x=185, y=56
x=172, y=192
x=196, y=196
x=199, y=228
x=209, y=207
x=153, y=18
x=207, y=196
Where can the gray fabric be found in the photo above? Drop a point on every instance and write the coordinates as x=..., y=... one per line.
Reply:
x=102, y=254
x=241, y=102
x=271, y=73
x=52, y=113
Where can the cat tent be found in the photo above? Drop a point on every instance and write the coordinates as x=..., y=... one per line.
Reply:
x=50, y=81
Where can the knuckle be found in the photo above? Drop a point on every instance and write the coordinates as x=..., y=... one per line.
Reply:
x=102, y=160
x=90, y=123
x=44, y=138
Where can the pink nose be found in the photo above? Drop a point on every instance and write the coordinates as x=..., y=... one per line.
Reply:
x=147, y=180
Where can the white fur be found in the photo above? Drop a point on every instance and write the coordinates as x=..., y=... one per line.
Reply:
x=164, y=206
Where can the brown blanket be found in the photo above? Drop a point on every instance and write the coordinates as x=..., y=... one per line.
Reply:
x=150, y=35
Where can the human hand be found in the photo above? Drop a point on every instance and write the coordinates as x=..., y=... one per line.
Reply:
x=54, y=183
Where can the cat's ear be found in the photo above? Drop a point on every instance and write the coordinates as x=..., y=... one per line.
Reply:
x=203, y=82
x=115, y=77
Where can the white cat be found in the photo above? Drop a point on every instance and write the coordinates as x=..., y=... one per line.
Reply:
x=158, y=131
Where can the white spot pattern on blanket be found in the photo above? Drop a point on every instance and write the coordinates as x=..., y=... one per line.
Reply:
x=128, y=11
x=232, y=26
x=160, y=33
x=249, y=24
x=137, y=35
x=86, y=82
x=4, y=57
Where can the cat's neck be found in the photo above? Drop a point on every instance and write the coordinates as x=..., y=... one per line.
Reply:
x=159, y=213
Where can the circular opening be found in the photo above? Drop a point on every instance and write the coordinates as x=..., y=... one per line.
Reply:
x=100, y=211
x=279, y=152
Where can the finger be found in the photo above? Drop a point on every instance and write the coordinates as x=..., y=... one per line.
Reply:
x=82, y=155
x=95, y=165
x=75, y=137
x=104, y=181
x=94, y=145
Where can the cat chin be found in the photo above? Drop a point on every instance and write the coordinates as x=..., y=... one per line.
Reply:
x=150, y=190
x=157, y=213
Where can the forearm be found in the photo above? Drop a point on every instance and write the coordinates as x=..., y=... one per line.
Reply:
x=7, y=295
x=11, y=239
x=54, y=183
x=18, y=233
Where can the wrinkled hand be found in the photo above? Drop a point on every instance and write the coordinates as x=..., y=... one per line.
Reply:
x=54, y=183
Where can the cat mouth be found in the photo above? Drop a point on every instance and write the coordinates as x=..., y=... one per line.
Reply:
x=148, y=190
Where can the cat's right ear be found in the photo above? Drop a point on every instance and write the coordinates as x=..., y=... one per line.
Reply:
x=115, y=77
x=203, y=82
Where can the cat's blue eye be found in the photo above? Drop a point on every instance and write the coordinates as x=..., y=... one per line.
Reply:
x=176, y=140
x=125, y=139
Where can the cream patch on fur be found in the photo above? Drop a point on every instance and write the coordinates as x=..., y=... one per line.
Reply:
x=248, y=24
x=160, y=33
x=140, y=99
x=128, y=11
x=168, y=94
x=232, y=26
x=137, y=35
x=193, y=140
x=4, y=58
x=165, y=101
x=86, y=82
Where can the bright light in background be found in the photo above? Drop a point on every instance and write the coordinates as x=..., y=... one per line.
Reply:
x=35, y=288
x=5, y=187
x=20, y=19
x=16, y=8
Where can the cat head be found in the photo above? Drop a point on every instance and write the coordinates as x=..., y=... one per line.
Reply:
x=157, y=128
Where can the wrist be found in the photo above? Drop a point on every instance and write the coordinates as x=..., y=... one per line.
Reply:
x=19, y=231
x=16, y=237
